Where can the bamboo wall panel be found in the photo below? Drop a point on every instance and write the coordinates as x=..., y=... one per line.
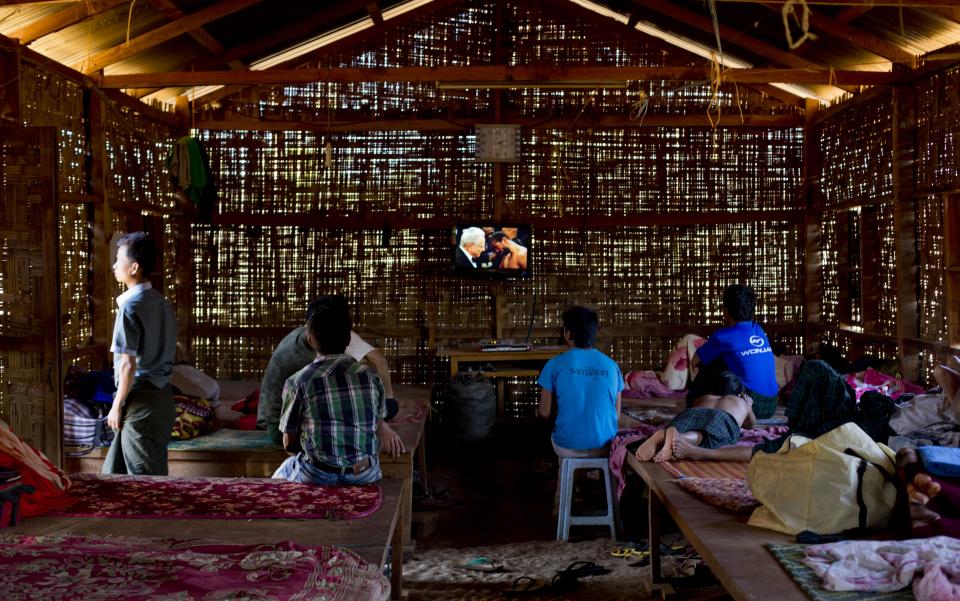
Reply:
x=648, y=284
x=855, y=146
x=50, y=99
x=137, y=148
x=626, y=172
x=409, y=173
x=937, y=165
x=829, y=274
x=930, y=260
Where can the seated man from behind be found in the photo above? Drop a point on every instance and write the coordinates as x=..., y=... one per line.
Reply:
x=586, y=386
x=293, y=354
x=741, y=347
x=713, y=422
x=333, y=409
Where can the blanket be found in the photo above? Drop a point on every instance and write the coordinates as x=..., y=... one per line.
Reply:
x=162, y=497
x=95, y=568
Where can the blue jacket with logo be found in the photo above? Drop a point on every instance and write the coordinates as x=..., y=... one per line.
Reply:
x=745, y=349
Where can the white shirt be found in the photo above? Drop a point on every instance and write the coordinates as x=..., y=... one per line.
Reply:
x=123, y=298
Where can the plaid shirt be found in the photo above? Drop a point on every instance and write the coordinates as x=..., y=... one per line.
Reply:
x=334, y=403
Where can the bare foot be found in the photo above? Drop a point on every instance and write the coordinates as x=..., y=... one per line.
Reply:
x=647, y=450
x=920, y=487
x=684, y=449
x=666, y=452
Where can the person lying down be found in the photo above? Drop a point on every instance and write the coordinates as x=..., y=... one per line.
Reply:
x=714, y=421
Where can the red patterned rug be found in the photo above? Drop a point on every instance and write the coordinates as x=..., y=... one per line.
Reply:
x=99, y=495
x=63, y=566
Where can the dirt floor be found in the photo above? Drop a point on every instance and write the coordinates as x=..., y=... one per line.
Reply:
x=495, y=500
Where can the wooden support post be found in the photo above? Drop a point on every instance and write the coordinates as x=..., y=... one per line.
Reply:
x=869, y=269
x=904, y=221
x=951, y=264
x=102, y=225
x=185, y=281
x=812, y=285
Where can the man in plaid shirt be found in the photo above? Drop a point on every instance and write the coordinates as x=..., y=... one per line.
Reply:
x=333, y=409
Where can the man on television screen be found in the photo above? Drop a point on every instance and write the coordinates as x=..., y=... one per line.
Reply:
x=510, y=255
x=472, y=243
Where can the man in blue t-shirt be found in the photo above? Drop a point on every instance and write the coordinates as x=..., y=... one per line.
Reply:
x=585, y=384
x=741, y=347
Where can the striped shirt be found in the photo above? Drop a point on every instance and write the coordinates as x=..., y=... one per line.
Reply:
x=334, y=403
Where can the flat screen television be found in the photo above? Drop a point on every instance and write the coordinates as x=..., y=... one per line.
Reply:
x=488, y=249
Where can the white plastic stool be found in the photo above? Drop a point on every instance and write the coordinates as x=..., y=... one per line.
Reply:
x=568, y=465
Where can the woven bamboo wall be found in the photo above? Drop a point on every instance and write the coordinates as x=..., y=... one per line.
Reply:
x=50, y=99
x=649, y=284
x=854, y=196
x=937, y=165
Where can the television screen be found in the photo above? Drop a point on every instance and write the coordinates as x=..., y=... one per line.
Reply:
x=492, y=249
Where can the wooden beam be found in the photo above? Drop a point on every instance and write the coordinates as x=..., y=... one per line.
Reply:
x=201, y=35
x=63, y=19
x=479, y=76
x=357, y=38
x=867, y=3
x=951, y=264
x=373, y=9
x=811, y=234
x=903, y=124
x=294, y=31
x=728, y=34
x=455, y=124
x=376, y=222
x=857, y=37
x=851, y=13
x=950, y=13
x=26, y=2
x=164, y=33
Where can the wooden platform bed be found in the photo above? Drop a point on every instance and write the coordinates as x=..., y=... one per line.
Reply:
x=733, y=550
x=260, y=458
x=371, y=537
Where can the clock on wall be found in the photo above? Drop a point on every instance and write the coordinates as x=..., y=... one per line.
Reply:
x=498, y=142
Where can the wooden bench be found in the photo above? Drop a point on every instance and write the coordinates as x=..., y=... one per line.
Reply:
x=261, y=462
x=371, y=537
x=734, y=551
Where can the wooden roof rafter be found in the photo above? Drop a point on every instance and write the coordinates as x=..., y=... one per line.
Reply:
x=728, y=34
x=412, y=15
x=164, y=33
x=477, y=76
x=62, y=19
x=857, y=37
x=373, y=9
x=586, y=14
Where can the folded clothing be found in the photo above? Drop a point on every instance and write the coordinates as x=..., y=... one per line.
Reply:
x=941, y=461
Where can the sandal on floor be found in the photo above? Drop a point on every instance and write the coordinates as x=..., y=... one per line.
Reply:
x=569, y=578
x=526, y=585
x=482, y=564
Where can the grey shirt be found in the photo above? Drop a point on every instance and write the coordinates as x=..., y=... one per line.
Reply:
x=293, y=354
x=147, y=329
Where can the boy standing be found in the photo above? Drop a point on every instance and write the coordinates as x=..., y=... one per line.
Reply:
x=144, y=345
x=586, y=385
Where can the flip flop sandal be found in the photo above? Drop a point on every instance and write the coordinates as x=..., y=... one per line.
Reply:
x=526, y=585
x=630, y=553
x=482, y=564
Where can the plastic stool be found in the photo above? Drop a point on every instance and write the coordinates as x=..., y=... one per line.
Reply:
x=568, y=465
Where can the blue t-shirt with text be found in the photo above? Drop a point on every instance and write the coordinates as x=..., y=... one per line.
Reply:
x=746, y=350
x=585, y=383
